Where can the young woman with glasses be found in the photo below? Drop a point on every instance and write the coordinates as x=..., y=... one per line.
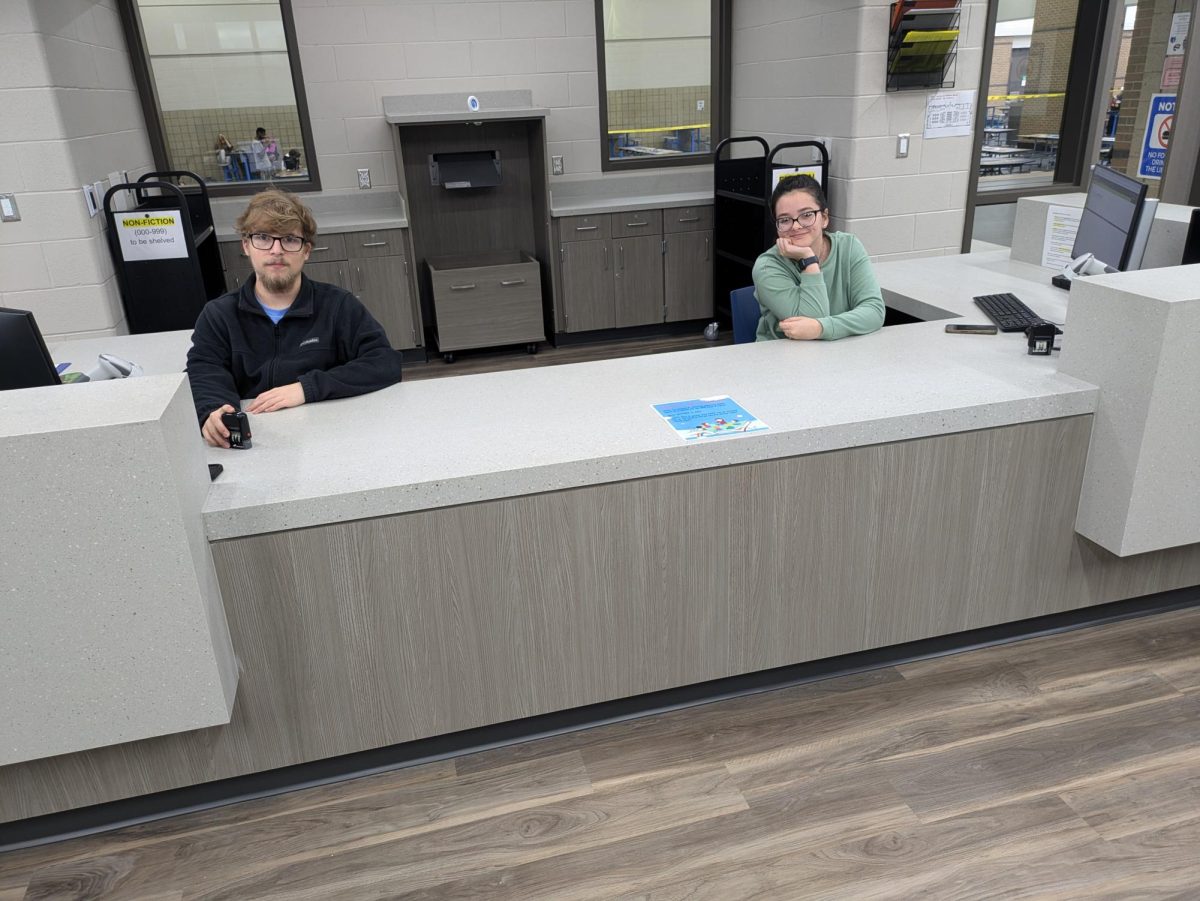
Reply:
x=813, y=283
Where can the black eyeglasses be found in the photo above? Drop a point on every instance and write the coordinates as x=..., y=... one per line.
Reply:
x=289, y=243
x=805, y=218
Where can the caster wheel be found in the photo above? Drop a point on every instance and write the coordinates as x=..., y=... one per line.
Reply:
x=531, y=348
x=449, y=358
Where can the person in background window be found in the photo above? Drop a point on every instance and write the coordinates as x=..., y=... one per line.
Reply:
x=282, y=339
x=270, y=145
x=813, y=283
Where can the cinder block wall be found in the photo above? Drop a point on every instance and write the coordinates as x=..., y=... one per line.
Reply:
x=816, y=69
x=70, y=115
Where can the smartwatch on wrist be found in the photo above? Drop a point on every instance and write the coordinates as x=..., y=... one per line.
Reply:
x=808, y=261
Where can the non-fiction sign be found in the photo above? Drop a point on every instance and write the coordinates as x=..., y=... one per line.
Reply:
x=1158, y=135
x=786, y=171
x=151, y=235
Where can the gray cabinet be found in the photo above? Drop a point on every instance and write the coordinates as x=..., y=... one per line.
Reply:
x=636, y=267
x=687, y=275
x=382, y=286
x=587, y=286
x=487, y=300
x=638, y=280
x=374, y=265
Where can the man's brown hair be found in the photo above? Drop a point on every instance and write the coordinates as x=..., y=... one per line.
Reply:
x=278, y=213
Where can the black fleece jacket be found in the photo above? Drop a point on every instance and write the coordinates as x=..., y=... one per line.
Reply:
x=327, y=341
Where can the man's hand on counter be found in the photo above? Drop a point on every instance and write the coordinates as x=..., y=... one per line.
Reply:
x=214, y=430
x=278, y=399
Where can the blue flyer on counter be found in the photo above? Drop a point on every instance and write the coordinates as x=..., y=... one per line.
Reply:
x=709, y=417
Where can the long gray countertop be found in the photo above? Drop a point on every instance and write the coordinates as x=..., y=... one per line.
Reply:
x=464, y=439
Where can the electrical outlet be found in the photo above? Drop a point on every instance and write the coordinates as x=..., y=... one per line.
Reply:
x=901, y=146
x=556, y=165
x=364, y=178
x=699, y=106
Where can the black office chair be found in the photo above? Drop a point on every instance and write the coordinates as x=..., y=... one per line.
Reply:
x=745, y=312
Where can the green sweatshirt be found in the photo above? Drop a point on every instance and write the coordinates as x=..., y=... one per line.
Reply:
x=844, y=296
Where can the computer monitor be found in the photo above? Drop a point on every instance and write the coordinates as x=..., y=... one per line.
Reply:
x=24, y=360
x=1108, y=228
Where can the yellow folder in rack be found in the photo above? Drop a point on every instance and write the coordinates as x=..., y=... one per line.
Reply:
x=924, y=51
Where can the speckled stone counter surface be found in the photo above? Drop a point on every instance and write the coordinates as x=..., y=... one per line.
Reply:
x=335, y=211
x=473, y=438
x=112, y=627
x=584, y=196
x=1141, y=488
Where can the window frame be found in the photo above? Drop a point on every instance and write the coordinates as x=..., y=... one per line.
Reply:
x=1079, y=125
x=720, y=50
x=152, y=112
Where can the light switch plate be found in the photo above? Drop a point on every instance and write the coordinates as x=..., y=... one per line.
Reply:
x=89, y=195
x=8, y=208
x=901, y=146
x=364, y=178
x=556, y=165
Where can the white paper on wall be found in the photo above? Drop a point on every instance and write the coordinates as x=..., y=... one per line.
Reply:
x=950, y=114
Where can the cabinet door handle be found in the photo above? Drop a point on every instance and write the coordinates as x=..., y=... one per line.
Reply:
x=621, y=257
x=316, y=249
x=689, y=219
x=461, y=287
x=605, y=257
x=586, y=228
x=512, y=281
x=634, y=224
x=375, y=244
x=706, y=248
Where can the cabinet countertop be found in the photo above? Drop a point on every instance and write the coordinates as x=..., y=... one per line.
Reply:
x=588, y=206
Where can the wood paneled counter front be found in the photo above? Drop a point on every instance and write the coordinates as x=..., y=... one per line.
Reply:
x=464, y=551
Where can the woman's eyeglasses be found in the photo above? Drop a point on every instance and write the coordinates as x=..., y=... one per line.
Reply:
x=289, y=243
x=784, y=223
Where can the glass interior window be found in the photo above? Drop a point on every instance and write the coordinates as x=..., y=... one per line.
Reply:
x=658, y=79
x=223, y=82
x=1142, y=106
x=1027, y=89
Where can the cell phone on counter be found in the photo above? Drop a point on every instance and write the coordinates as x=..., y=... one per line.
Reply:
x=963, y=329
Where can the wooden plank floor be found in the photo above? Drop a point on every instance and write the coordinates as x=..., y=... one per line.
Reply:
x=1060, y=767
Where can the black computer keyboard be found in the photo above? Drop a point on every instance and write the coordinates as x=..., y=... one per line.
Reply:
x=1008, y=312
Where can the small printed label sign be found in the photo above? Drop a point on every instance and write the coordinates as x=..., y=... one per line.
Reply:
x=154, y=235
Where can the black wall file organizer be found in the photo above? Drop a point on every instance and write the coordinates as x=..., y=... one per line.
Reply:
x=923, y=44
x=177, y=268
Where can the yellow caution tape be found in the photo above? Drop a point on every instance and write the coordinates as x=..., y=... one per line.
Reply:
x=639, y=131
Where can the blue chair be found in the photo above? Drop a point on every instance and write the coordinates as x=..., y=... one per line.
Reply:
x=744, y=309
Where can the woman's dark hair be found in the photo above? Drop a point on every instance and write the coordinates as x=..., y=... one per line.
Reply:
x=790, y=183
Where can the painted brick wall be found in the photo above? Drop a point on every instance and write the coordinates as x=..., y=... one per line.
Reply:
x=70, y=115
x=356, y=53
x=817, y=69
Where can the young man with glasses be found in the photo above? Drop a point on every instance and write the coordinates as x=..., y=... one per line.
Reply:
x=282, y=339
x=813, y=284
